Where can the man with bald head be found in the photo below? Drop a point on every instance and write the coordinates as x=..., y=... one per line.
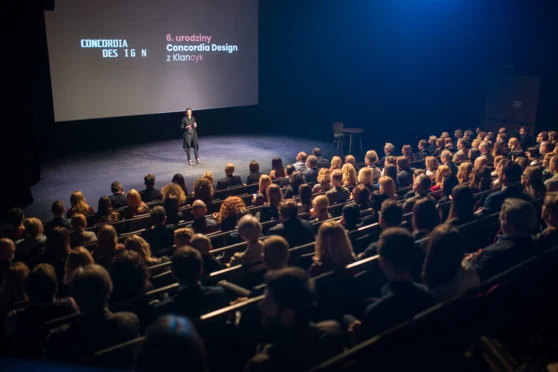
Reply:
x=202, y=224
x=230, y=180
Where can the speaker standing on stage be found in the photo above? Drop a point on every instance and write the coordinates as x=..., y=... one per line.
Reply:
x=189, y=126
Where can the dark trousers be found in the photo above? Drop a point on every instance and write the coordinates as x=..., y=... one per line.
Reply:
x=191, y=141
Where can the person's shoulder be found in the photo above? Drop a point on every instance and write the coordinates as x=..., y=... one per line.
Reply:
x=213, y=290
x=125, y=318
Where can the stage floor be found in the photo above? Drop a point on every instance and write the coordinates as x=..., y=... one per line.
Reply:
x=93, y=173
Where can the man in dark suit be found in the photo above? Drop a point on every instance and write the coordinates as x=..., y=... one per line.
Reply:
x=404, y=172
x=524, y=138
x=322, y=162
x=160, y=235
x=484, y=148
x=58, y=219
x=510, y=174
x=254, y=176
x=447, y=159
x=192, y=298
x=202, y=223
x=402, y=298
x=150, y=193
x=421, y=187
x=96, y=328
x=423, y=150
x=295, y=230
x=117, y=199
x=389, y=150
x=287, y=311
x=229, y=180
x=518, y=220
x=311, y=174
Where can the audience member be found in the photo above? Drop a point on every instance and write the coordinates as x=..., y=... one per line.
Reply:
x=404, y=172
x=150, y=193
x=170, y=342
x=371, y=160
x=80, y=236
x=227, y=216
x=333, y=250
x=260, y=197
x=254, y=176
x=305, y=195
x=192, y=298
x=292, y=191
x=518, y=220
x=549, y=237
x=295, y=230
x=202, y=224
x=118, y=199
x=339, y=193
x=137, y=244
x=230, y=180
x=421, y=187
x=311, y=174
x=464, y=172
x=107, y=245
x=183, y=236
x=462, y=206
x=178, y=179
x=160, y=235
x=552, y=183
x=287, y=312
x=203, y=190
x=336, y=163
x=319, y=211
x=202, y=244
x=79, y=205
x=250, y=230
x=25, y=326
x=402, y=298
x=58, y=219
x=300, y=164
x=32, y=245
x=135, y=206
x=97, y=327
x=391, y=215
x=324, y=181
x=271, y=211
x=422, y=150
x=77, y=257
x=57, y=249
x=13, y=227
x=105, y=212
x=511, y=178
x=446, y=273
x=277, y=170
x=425, y=218
x=322, y=162
x=7, y=252
x=533, y=182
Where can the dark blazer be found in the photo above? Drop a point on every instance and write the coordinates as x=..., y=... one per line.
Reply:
x=77, y=342
x=268, y=212
x=422, y=154
x=400, y=302
x=118, y=200
x=150, y=194
x=62, y=222
x=503, y=254
x=405, y=177
x=452, y=167
x=410, y=203
x=228, y=181
x=204, y=225
x=253, y=178
x=295, y=231
x=525, y=141
x=159, y=237
x=311, y=175
x=494, y=201
x=193, y=301
x=323, y=162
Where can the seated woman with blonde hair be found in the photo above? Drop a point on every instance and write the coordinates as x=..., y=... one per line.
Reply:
x=324, y=181
x=319, y=211
x=135, y=204
x=336, y=163
x=260, y=198
x=349, y=174
x=250, y=230
x=365, y=178
x=350, y=159
x=138, y=244
x=78, y=205
x=333, y=249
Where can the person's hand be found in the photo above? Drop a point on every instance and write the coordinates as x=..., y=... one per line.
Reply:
x=354, y=327
x=215, y=215
x=195, y=125
x=238, y=300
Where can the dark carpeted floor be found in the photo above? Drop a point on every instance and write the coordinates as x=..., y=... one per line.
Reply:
x=94, y=172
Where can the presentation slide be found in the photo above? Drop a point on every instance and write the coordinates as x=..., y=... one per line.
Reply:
x=114, y=58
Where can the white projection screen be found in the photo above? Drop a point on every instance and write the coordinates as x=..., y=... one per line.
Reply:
x=114, y=58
